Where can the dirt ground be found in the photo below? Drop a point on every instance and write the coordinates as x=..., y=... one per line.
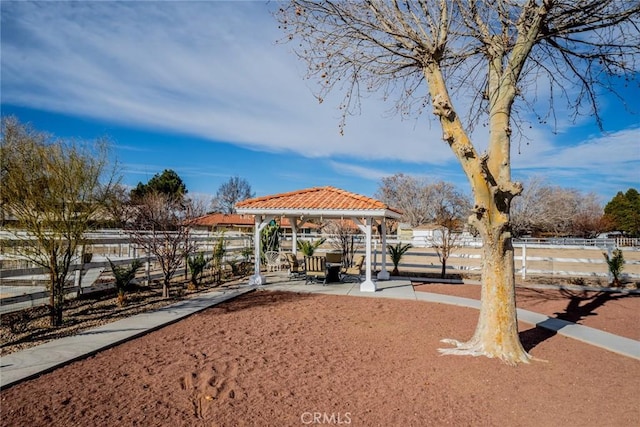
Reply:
x=278, y=358
x=614, y=312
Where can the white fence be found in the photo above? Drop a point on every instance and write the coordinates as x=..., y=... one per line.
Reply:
x=577, y=258
x=20, y=282
x=23, y=285
x=562, y=257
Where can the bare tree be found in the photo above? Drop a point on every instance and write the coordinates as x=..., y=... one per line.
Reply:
x=562, y=207
x=198, y=204
x=549, y=210
x=589, y=220
x=343, y=237
x=118, y=207
x=161, y=228
x=490, y=57
x=231, y=192
x=448, y=208
x=423, y=202
x=529, y=211
x=408, y=194
x=53, y=188
x=543, y=209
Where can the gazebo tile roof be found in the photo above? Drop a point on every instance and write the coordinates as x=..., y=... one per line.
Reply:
x=320, y=198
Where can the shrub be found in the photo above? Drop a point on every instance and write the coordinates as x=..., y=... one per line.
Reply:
x=396, y=253
x=616, y=264
x=308, y=247
x=197, y=265
x=123, y=278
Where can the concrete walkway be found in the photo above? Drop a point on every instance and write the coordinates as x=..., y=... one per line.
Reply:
x=29, y=363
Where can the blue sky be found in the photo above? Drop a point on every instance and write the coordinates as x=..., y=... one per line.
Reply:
x=202, y=88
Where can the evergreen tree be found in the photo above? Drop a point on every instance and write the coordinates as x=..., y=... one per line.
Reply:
x=624, y=212
x=167, y=183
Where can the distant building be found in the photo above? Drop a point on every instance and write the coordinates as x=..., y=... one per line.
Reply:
x=218, y=222
x=427, y=233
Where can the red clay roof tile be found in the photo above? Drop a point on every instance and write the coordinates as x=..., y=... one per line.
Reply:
x=316, y=198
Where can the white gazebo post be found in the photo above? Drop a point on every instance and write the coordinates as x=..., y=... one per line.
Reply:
x=257, y=279
x=384, y=274
x=368, y=285
x=294, y=234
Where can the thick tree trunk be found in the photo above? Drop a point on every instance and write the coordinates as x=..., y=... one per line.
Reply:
x=496, y=334
x=490, y=178
x=443, y=272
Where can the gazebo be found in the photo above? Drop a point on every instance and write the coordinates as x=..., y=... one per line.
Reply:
x=320, y=202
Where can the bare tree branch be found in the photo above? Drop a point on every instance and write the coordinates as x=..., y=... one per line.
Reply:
x=486, y=61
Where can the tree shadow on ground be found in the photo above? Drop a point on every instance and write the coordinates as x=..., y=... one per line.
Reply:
x=581, y=304
x=452, y=278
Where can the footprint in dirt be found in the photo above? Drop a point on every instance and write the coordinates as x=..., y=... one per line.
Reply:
x=211, y=384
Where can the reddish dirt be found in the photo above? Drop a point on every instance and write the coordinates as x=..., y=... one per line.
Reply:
x=277, y=358
x=614, y=312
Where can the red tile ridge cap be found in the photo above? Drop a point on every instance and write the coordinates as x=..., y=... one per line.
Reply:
x=277, y=196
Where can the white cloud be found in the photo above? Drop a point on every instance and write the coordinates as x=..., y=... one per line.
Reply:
x=360, y=171
x=603, y=165
x=211, y=70
x=597, y=153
